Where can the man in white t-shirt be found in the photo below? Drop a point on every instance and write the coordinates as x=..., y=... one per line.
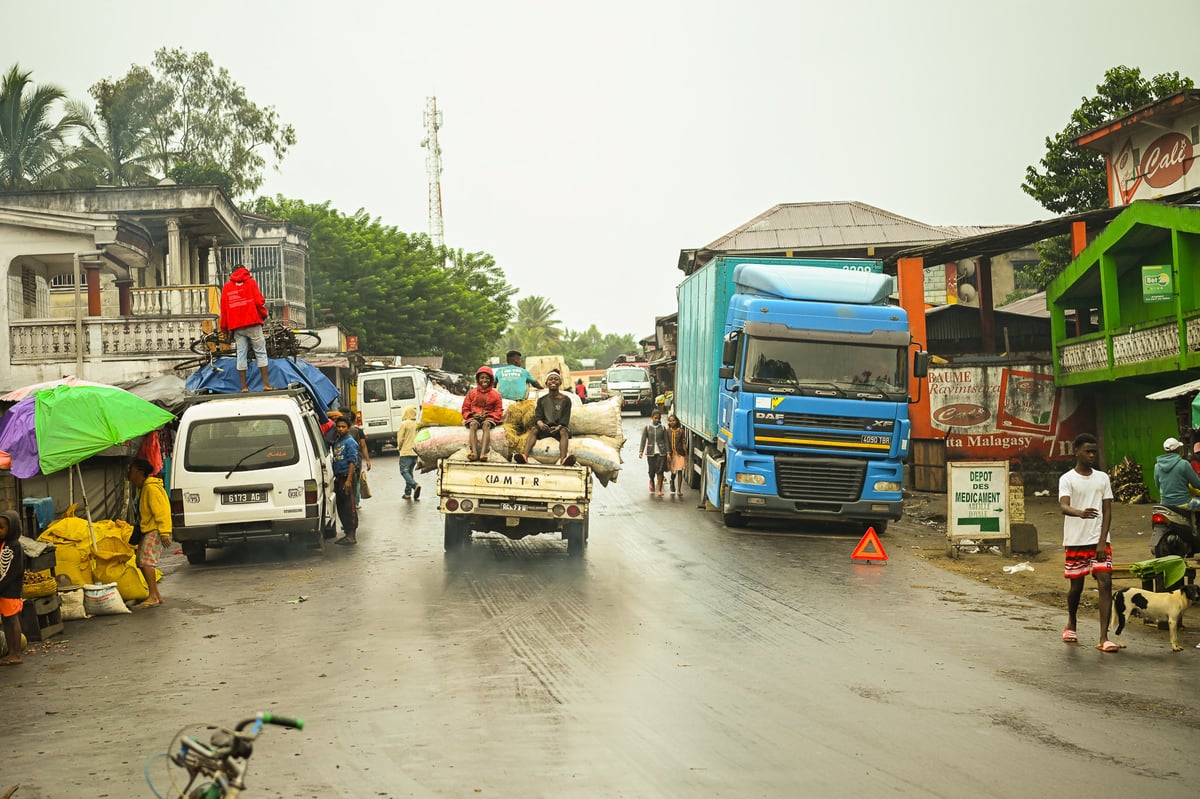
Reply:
x=1085, y=496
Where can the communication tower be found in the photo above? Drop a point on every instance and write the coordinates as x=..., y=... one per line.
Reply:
x=433, y=165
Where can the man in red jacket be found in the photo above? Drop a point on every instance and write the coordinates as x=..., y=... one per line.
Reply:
x=482, y=409
x=243, y=310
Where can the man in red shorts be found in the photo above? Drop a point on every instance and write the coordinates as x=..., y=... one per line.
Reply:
x=1085, y=496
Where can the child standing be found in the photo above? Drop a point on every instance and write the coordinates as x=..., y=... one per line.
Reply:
x=12, y=582
x=654, y=447
x=1085, y=496
x=676, y=453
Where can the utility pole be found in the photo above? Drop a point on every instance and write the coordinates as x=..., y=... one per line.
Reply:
x=433, y=165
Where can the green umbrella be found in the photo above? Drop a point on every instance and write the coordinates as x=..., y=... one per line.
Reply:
x=73, y=423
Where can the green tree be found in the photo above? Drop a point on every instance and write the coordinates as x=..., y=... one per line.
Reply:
x=201, y=123
x=34, y=151
x=394, y=290
x=535, y=331
x=115, y=145
x=1072, y=179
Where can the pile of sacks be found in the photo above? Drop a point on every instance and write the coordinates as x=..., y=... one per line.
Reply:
x=596, y=437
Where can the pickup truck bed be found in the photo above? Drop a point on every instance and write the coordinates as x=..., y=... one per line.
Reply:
x=515, y=500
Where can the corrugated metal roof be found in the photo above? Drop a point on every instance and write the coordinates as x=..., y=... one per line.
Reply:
x=824, y=224
x=1033, y=305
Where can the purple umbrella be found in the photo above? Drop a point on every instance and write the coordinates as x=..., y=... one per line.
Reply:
x=18, y=439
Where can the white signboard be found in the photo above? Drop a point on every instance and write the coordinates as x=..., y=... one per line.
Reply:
x=977, y=492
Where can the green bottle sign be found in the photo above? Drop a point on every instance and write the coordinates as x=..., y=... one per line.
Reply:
x=1156, y=283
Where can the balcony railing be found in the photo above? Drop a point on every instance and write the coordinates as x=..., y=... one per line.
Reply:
x=1138, y=345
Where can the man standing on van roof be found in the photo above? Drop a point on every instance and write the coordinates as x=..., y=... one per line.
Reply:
x=345, y=465
x=243, y=310
x=513, y=379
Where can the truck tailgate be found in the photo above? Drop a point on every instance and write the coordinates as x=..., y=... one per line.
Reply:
x=533, y=482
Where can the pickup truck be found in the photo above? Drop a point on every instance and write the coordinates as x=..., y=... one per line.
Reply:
x=514, y=499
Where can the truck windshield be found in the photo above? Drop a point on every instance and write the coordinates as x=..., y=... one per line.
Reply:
x=821, y=364
x=628, y=374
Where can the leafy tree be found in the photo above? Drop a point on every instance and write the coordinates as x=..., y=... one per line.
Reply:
x=115, y=145
x=395, y=290
x=200, y=122
x=535, y=329
x=34, y=151
x=1073, y=179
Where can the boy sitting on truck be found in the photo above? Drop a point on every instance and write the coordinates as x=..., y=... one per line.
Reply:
x=482, y=410
x=551, y=416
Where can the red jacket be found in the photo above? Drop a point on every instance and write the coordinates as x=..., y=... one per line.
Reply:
x=489, y=402
x=242, y=304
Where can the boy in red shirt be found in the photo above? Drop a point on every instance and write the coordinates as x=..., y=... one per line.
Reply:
x=482, y=410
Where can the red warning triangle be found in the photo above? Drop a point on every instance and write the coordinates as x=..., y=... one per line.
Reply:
x=869, y=548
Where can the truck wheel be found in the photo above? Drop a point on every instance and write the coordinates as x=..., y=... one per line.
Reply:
x=456, y=533
x=576, y=535
x=196, y=551
x=731, y=518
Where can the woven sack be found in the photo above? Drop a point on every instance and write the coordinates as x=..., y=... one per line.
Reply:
x=103, y=600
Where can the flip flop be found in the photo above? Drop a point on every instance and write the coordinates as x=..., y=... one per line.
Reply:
x=569, y=460
x=1108, y=646
x=1069, y=636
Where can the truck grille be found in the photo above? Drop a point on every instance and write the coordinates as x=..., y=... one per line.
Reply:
x=775, y=431
x=819, y=479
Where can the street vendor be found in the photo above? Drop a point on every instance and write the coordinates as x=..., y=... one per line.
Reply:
x=151, y=522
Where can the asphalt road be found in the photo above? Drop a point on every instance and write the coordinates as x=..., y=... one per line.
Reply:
x=677, y=659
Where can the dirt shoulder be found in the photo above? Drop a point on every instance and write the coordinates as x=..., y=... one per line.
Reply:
x=922, y=532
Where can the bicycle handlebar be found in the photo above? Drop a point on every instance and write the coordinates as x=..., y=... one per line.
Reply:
x=271, y=718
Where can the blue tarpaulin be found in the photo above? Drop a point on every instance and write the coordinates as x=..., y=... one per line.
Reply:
x=221, y=377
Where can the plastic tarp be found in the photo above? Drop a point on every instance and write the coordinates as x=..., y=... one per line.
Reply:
x=221, y=377
x=16, y=427
x=73, y=423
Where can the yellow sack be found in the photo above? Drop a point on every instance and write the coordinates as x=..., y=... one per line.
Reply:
x=115, y=561
x=74, y=563
x=441, y=408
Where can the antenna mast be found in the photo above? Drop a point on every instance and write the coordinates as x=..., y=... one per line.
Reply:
x=433, y=165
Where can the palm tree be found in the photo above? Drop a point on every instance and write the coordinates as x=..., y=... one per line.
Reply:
x=535, y=326
x=116, y=146
x=33, y=151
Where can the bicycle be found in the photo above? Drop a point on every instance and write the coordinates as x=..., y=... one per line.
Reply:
x=223, y=761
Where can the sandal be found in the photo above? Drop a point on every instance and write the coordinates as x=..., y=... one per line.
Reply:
x=1108, y=646
x=1069, y=636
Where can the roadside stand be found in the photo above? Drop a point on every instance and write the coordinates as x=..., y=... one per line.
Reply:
x=51, y=428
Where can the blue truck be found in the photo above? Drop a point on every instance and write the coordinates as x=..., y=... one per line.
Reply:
x=792, y=381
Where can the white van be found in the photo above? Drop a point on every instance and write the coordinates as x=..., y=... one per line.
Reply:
x=383, y=395
x=248, y=466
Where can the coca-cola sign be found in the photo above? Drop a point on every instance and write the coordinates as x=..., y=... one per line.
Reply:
x=1166, y=160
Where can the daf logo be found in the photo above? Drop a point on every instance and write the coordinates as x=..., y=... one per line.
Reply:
x=770, y=417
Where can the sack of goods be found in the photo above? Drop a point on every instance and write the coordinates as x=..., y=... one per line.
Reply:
x=435, y=443
x=604, y=459
x=440, y=407
x=103, y=600
x=597, y=419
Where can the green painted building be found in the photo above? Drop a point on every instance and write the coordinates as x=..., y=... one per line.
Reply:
x=1125, y=322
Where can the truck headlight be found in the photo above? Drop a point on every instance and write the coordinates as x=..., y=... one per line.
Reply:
x=887, y=485
x=750, y=479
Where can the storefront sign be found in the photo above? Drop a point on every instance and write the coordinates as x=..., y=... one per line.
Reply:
x=978, y=500
x=1156, y=283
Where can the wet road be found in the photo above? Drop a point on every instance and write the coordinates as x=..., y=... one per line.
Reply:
x=678, y=659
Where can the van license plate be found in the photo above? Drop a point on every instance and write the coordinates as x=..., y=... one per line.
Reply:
x=244, y=498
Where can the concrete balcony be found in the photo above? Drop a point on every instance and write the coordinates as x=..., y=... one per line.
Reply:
x=162, y=324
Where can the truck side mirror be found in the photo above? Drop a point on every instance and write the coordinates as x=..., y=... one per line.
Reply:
x=725, y=373
x=729, y=350
x=920, y=363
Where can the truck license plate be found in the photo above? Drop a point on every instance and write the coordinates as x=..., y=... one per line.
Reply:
x=513, y=506
x=244, y=498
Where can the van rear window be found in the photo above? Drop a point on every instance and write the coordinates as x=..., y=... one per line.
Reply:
x=403, y=388
x=374, y=390
x=264, y=442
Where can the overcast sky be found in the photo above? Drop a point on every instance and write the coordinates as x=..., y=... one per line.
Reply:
x=586, y=144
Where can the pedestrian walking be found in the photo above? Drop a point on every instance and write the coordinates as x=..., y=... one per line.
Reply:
x=676, y=453
x=654, y=447
x=243, y=310
x=406, y=436
x=1085, y=496
x=345, y=464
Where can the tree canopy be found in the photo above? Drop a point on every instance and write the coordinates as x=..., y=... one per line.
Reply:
x=396, y=291
x=34, y=148
x=535, y=331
